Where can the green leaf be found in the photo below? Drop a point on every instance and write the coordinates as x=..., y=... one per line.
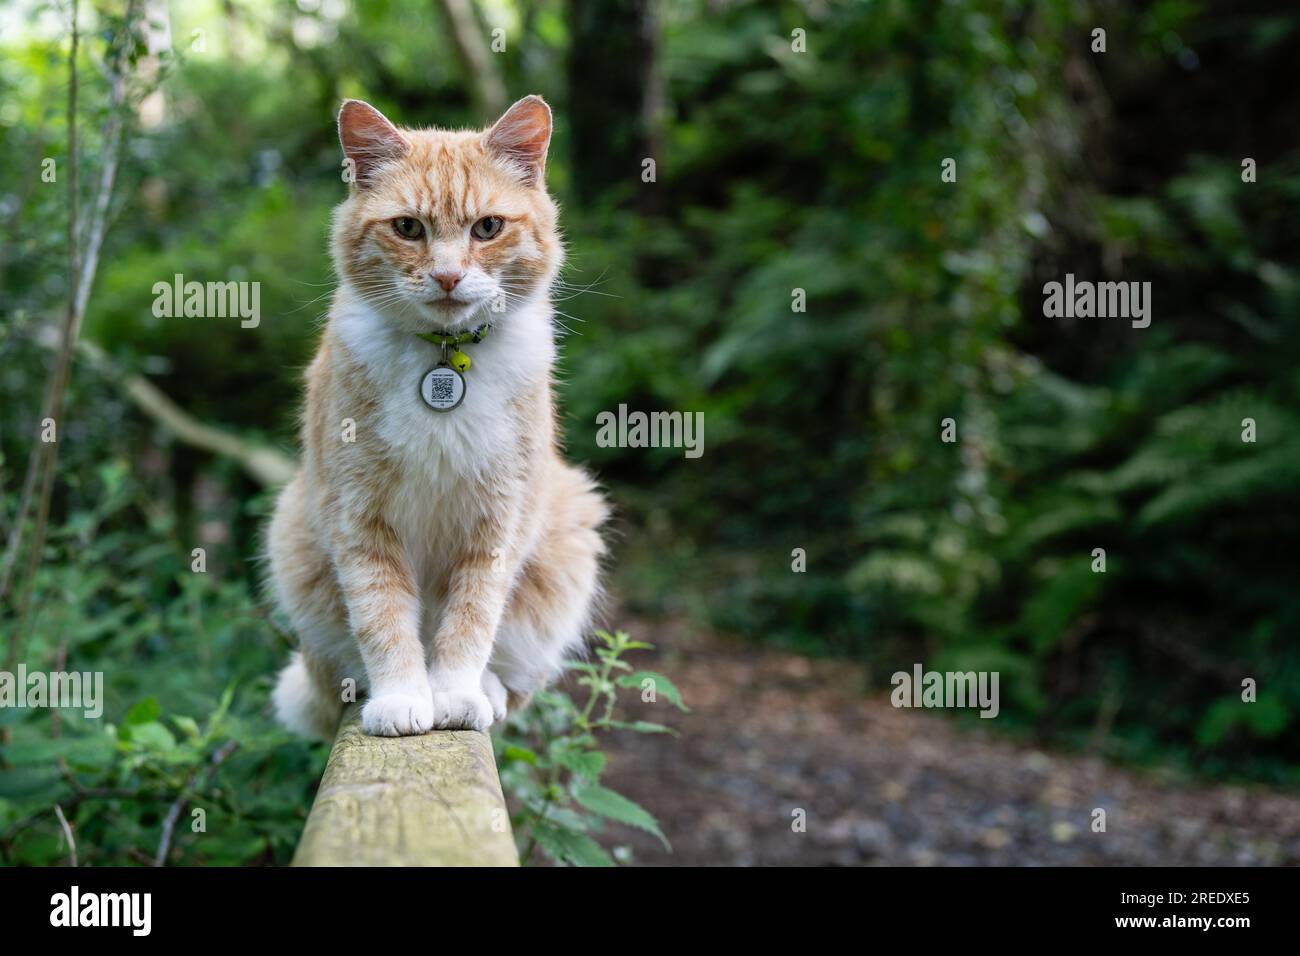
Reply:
x=96, y=749
x=27, y=781
x=642, y=727
x=586, y=763
x=571, y=847
x=616, y=807
x=513, y=752
x=218, y=715
x=1060, y=602
x=144, y=711
x=153, y=736
x=1266, y=717
x=660, y=684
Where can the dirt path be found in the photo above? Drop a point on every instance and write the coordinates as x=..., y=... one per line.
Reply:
x=770, y=732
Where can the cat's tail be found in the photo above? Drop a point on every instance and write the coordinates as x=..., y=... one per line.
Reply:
x=300, y=704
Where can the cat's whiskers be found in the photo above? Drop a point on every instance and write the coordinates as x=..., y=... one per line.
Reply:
x=505, y=292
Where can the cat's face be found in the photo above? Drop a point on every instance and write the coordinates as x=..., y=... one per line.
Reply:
x=446, y=230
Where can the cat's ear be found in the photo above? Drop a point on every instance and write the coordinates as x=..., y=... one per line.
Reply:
x=522, y=136
x=368, y=139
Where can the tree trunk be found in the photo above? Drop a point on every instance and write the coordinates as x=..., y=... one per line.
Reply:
x=613, y=96
x=476, y=58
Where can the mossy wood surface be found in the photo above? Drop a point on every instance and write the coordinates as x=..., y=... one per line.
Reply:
x=432, y=800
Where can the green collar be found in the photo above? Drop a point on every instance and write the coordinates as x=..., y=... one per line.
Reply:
x=446, y=338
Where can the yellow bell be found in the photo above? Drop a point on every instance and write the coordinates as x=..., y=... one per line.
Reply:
x=460, y=361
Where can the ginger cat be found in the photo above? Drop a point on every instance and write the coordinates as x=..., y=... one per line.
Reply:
x=444, y=557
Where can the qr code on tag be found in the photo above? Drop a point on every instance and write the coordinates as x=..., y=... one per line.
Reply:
x=441, y=389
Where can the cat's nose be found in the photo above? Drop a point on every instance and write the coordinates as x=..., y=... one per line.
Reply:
x=448, y=280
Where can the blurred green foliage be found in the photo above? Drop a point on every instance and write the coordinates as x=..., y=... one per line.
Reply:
x=776, y=171
x=186, y=660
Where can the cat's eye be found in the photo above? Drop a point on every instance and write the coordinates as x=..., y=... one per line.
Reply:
x=489, y=227
x=408, y=228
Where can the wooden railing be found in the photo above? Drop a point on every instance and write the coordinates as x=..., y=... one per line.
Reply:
x=432, y=800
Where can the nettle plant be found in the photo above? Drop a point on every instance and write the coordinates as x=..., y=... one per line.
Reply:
x=551, y=761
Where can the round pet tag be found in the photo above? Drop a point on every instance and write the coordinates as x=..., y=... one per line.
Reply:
x=442, y=388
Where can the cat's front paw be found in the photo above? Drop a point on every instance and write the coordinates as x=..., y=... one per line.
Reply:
x=397, y=715
x=461, y=707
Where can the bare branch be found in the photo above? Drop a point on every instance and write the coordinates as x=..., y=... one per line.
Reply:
x=264, y=464
x=174, y=812
x=67, y=832
x=46, y=453
x=81, y=278
x=475, y=57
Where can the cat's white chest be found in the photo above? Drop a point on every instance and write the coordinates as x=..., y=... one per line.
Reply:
x=443, y=461
x=445, y=458
x=443, y=448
